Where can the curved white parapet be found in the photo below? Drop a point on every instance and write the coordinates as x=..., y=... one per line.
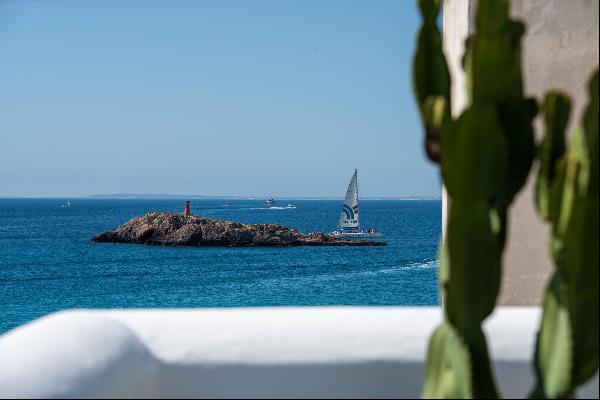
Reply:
x=75, y=354
x=248, y=352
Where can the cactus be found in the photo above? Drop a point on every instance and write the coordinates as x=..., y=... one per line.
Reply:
x=567, y=197
x=556, y=111
x=485, y=156
x=431, y=78
x=449, y=366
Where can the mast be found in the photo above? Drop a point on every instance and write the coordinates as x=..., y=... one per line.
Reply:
x=356, y=192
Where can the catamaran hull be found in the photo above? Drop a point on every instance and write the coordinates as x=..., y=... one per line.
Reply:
x=356, y=235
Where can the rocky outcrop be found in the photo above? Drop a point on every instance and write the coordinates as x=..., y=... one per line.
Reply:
x=161, y=228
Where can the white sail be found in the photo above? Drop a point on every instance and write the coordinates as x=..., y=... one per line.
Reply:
x=349, y=211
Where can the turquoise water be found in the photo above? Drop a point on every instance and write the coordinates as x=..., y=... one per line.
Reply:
x=48, y=263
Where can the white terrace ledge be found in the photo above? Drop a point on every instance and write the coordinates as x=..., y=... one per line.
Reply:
x=249, y=352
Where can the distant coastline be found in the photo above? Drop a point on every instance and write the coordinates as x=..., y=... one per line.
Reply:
x=159, y=196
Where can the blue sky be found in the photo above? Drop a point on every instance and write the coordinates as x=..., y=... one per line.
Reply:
x=250, y=97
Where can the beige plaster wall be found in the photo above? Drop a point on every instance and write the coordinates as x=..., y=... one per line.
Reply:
x=560, y=51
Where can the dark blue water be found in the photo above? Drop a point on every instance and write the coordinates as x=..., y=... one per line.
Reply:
x=48, y=263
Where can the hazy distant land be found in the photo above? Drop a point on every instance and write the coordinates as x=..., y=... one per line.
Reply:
x=200, y=197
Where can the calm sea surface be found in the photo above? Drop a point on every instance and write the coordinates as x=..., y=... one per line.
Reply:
x=48, y=263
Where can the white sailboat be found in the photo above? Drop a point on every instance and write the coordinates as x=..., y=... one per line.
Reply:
x=349, y=222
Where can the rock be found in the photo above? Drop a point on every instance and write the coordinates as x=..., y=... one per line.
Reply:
x=173, y=229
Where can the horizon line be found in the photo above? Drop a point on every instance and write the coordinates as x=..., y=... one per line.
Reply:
x=101, y=196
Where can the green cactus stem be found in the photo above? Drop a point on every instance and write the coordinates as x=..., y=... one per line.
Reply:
x=485, y=156
x=567, y=197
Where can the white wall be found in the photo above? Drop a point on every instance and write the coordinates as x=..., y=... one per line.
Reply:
x=250, y=352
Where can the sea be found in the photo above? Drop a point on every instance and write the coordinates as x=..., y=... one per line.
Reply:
x=49, y=263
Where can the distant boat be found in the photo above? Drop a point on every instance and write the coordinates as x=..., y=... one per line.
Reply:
x=65, y=205
x=349, y=222
x=270, y=201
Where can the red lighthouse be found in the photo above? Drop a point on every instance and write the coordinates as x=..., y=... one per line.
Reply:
x=186, y=210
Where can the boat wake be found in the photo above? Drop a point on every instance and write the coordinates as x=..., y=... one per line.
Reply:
x=423, y=264
x=272, y=208
x=400, y=268
x=239, y=208
x=378, y=271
